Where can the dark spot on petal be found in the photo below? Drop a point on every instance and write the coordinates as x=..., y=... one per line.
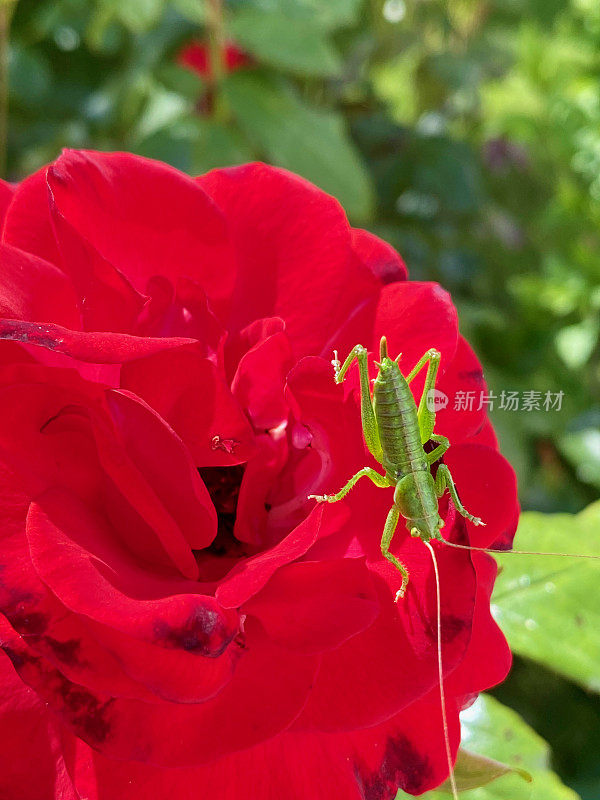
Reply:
x=203, y=633
x=87, y=714
x=19, y=609
x=388, y=271
x=28, y=623
x=452, y=626
x=402, y=767
x=90, y=717
x=475, y=375
x=67, y=652
x=18, y=659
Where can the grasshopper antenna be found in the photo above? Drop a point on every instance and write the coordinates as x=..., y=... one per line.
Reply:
x=441, y=671
x=516, y=552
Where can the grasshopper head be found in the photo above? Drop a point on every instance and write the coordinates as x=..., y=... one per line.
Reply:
x=427, y=528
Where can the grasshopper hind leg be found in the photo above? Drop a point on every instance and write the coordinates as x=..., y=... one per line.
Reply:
x=388, y=533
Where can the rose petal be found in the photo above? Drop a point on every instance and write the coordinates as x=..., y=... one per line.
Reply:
x=489, y=491
x=295, y=256
x=145, y=218
x=27, y=224
x=270, y=688
x=108, y=301
x=33, y=289
x=313, y=606
x=251, y=575
x=194, y=399
x=79, y=559
x=349, y=694
x=167, y=465
x=464, y=385
x=31, y=764
x=408, y=752
x=414, y=317
x=259, y=381
x=380, y=257
x=98, y=348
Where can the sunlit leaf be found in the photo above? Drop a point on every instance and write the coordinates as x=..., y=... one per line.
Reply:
x=472, y=771
x=581, y=446
x=549, y=606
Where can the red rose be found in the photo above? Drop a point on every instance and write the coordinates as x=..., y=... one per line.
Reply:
x=196, y=56
x=180, y=617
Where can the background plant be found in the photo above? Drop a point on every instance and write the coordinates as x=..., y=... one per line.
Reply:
x=466, y=133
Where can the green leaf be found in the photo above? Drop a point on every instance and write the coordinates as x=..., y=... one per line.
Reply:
x=162, y=109
x=194, y=10
x=471, y=771
x=581, y=446
x=196, y=145
x=180, y=80
x=139, y=15
x=549, y=606
x=575, y=343
x=299, y=46
x=30, y=76
x=331, y=14
x=311, y=142
x=217, y=145
x=498, y=732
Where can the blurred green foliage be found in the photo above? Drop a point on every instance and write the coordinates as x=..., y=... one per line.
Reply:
x=465, y=132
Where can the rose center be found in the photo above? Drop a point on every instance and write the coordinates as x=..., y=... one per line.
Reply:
x=223, y=484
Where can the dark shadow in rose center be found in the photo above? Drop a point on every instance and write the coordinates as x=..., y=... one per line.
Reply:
x=223, y=484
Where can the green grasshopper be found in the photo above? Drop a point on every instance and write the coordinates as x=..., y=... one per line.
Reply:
x=395, y=431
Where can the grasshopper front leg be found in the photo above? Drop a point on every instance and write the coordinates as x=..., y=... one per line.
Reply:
x=367, y=413
x=443, y=481
x=426, y=416
x=366, y=472
x=443, y=443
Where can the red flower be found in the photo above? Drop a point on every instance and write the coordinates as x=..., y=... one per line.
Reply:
x=196, y=56
x=179, y=616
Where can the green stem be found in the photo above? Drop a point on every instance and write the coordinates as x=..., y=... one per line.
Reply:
x=6, y=10
x=215, y=24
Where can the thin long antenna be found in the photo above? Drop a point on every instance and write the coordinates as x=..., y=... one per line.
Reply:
x=441, y=671
x=517, y=552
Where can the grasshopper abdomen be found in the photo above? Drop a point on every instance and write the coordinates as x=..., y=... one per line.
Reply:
x=397, y=422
